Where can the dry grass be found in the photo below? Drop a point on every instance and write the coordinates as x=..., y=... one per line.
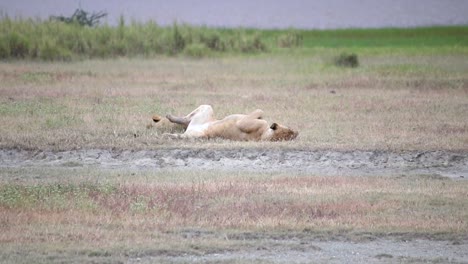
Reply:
x=397, y=102
x=124, y=215
x=417, y=102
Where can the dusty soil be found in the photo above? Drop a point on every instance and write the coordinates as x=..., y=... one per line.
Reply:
x=305, y=250
x=319, y=162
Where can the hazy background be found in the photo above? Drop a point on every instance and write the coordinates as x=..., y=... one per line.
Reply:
x=261, y=13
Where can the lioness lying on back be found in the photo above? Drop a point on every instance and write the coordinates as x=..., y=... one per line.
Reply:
x=200, y=123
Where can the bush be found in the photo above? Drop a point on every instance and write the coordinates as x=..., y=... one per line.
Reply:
x=347, y=60
x=14, y=45
x=251, y=44
x=4, y=49
x=51, y=51
x=291, y=39
x=213, y=41
x=197, y=50
x=178, y=43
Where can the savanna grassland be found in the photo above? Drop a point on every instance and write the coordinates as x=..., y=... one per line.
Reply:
x=409, y=92
x=390, y=102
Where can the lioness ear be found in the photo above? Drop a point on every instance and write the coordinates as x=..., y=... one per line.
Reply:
x=274, y=126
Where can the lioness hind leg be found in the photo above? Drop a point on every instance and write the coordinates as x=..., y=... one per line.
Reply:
x=251, y=122
x=202, y=114
x=178, y=120
x=257, y=114
x=249, y=125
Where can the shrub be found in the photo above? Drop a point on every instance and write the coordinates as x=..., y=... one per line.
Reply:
x=4, y=49
x=251, y=44
x=347, y=60
x=213, y=41
x=291, y=39
x=197, y=50
x=51, y=51
x=80, y=45
x=15, y=45
x=178, y=42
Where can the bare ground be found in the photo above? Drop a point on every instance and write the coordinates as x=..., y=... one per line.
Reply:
x=306, y=250
x=319, y=162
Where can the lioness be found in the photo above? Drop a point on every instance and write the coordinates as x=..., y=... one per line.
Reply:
x=200, y=123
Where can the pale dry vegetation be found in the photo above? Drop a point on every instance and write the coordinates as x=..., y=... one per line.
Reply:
x=399, y=102
x=122, y=214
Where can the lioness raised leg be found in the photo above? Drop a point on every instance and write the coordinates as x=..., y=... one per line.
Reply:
x=197, y=118
x=178, y=120
x=203, y=114
x=251, y=122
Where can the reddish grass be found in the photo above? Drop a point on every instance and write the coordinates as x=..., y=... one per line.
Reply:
x=359, y=203
x=165, y=214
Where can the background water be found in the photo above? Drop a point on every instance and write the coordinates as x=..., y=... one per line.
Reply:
x=322, y=14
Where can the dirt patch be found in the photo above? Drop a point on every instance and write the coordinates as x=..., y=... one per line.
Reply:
x=381, y=250
x=320, y=162
x=310, y=250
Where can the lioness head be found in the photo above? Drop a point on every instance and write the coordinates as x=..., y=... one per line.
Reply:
x=281, y=133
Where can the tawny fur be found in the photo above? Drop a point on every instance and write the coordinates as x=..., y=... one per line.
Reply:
x=201, y=123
